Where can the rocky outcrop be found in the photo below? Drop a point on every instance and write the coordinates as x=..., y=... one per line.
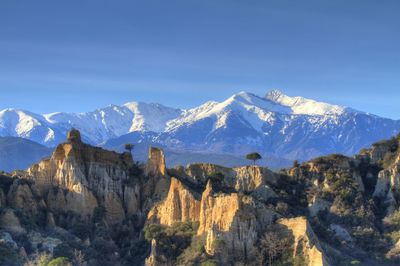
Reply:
x=132, y=199
x=20, y=196
x=10, y=222
x=79, y=200
x=206, y=212
x=378, y=150
x=180, y=205
x=305, y=242
x=155, y=163
x=388, y=184
x=88, y=177
x=229, y=219
x=157, y=183
x=317, y=205
x=246, y=178
x=152, y=259
x=341, y=233
x=46, y=243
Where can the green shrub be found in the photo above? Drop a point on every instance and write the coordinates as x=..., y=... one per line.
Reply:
x=173, y=240
x=192, y=254
x=392, y=226
x=330, y=161
x=216, y=177
x=153, y=231
x=60, y=261
x=209, y=262
x=135, y=173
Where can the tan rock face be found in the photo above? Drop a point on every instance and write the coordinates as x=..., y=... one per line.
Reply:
x=229, y=222
x=114, y=209
x=90, y=176
x=157, y=184
x=229, y=219
x=223, y=218
x=81, y=200
x=180, y=205
x=152, y=259
x=305, y=241
x=245, y=178
x=155, y=163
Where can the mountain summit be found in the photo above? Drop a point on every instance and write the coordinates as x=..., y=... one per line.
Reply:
x=303, y=106
x=276, y=125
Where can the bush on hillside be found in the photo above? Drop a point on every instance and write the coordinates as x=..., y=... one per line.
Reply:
x=60, y=261
x=173, y=240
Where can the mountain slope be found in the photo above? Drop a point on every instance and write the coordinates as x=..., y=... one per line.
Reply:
x=19, y=153
x=24, y=124
x=275, y=125
x=303, y=106
x=292, y=128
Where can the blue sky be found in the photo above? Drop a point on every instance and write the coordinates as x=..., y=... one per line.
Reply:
x=78, y=55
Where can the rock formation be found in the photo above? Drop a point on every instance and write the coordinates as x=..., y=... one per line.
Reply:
x=305, y=242
x=229, y=219
x=223, y=218
x=88, y=177
x=10, y=222
x=156, y=163
x=334, y=210
x=246, y=178
x=180, y=205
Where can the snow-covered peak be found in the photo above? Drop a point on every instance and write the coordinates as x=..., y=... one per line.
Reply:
x=243, y=109
x=304, y=106
x=151, y=116
x=253, y=109
x=251, y=101
x=19, y=120
x=21, y=123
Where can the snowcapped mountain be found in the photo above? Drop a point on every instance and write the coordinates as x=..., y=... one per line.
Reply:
x=303, y=106
x=24, y=124
x=113, y=121
x=279, y=125
x=275, y=125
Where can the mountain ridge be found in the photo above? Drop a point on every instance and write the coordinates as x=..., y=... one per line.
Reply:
x=277, y=124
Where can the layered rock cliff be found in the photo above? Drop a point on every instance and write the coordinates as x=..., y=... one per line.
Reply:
x=305, y=242
x=86, y=177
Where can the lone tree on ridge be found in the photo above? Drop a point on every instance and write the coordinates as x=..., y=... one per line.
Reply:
x=254, y=156
x=129, y=147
